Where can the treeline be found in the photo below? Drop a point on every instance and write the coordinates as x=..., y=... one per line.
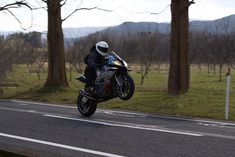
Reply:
x=21, y=48
x=212, y=49
x=205, y=47
x=215, y=50
x=135, y=48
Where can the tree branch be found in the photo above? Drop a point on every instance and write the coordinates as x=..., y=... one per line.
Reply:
x=191, y=2
x=93, y=8
x=15, y=5
x=63, y=3
x=14, y=16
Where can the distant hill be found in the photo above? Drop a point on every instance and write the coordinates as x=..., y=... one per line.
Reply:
x=135, y=27
x=5, y=33
x=210, y=26
x=69, y=33
x=72, y=33
x=214, y=26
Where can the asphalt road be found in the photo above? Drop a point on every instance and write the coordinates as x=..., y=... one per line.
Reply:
x=43, y=130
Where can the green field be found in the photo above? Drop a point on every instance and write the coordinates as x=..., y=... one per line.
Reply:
x=206, y=98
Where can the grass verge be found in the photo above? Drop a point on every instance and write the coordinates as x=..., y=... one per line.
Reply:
x=9, y=154
x=206, y=98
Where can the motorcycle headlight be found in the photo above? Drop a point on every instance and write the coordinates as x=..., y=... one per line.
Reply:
x=117, y=63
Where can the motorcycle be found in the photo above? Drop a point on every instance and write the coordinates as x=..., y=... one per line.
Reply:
x=112, y=81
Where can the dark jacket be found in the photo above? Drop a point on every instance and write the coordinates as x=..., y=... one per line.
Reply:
x=94, y=60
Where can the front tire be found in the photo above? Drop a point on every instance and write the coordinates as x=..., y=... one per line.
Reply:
x=86, y=106
x=126, y=88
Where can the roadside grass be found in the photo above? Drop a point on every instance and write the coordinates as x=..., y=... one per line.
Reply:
x=9, y=154
x=206, y=98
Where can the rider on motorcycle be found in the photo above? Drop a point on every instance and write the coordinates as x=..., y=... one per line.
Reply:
x=94, y=60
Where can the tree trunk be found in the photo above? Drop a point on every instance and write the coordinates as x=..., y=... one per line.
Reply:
x=1, y=92
x=220, y=72
x=214, y=68
x=70, y=71
x=56, y=57
x=178, y=80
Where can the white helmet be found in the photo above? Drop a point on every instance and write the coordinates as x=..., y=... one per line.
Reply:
x=102, y=48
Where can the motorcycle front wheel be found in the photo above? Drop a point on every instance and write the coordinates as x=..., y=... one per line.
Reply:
x=125, y=88
x=86, y=106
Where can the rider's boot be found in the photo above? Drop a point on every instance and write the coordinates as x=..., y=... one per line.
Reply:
x=90, y=90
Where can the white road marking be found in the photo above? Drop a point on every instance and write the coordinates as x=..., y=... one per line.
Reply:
x=220, y=125
x=118, y=114
x=108, y=123
x=60, y=145
x=18, y=110
x=23, y=104
x=42, y=104
x=220, y=136
x=133, y=114
x=129, y=113
x=132, y=126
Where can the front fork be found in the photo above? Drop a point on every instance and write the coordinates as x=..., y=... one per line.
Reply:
x=118, y=81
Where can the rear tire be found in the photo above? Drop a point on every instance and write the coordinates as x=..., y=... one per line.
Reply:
x=86, y=106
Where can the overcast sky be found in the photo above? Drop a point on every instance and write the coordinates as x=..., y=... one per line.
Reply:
x=123, y=10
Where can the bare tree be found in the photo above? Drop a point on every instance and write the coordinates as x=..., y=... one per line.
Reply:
x=225, y=45
x=56, y=53
x=149, y=45
x=56, y=57
x=74, y=56
x=7, y=59
x=6, y=56
x=178, y=80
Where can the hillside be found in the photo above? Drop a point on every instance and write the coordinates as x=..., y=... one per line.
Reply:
x=71, y=33
x=218, y=25
x=211, y=26
x=135, y=27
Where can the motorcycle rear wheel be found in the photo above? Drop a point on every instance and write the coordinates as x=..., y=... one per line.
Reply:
x=86, y=106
